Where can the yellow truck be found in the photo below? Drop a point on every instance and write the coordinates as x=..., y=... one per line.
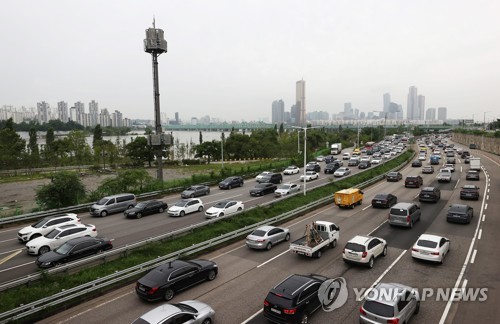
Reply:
x=348, y=197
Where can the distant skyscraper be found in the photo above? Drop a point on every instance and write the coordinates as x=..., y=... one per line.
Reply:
x=80, y=110
x=177, y=121
x=442, y=114
x=421, y=107
x=412, y=107
x=93, y=113
x=430, y=114
x=278, y=112
x=300, y=102
x=387, y=101
x=62, y=111
x=43, y=109
x=293, y=114
x=348, y=111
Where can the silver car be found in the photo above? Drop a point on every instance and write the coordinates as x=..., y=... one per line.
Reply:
x=389, y=303
x=190, y=311
x=265, y=237
x=195, y=191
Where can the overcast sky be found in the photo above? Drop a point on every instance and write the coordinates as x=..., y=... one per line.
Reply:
x=230, y=59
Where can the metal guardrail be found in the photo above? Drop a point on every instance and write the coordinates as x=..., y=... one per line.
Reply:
x=63, y=296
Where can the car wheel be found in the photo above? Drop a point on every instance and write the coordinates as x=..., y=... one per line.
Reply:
x=161, y=210
x=442, y=258
x=207, y=321
x=104, y=213
x=304, y=319
x=200, y=209
x=417, y=308
x=269, y=246
x=169, y=294
x=139, y=215
x=240, y=209
x=229, y=187
x=182, y=213
x=43, y=250
x=207, y=192
x=287, y=237
x=384, y=252
x=318, y=254
x=191, y=196
x=370, y=263
x=34, y=236
x=333, y=244
x=411, y=224
x=211, y=275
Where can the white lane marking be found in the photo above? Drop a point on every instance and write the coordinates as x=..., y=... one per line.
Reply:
x=484, y=217
x=383, y=274
x=456, y=185
x=11, y=251
x=464, y=284
x=485, y=206
x=415, y=197
x=369, y=206
x=252, y=317
x=18, y=266
x=10, y=230
x=95, y=307
x=275, y=257
x=14, y=239
x=227, y=252
x=480, y=234
x=473, y=258
x=376, y=228
x=464, y=266
x=8, y=257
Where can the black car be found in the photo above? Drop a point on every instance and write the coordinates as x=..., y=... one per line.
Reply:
x=394, y=176
x=469, y=192
x=413, y=181
x=416, y=163
x=472, y=175
x=313, y=167
x=467, y=160
x=195, y=191
x=231, y=182
x=364, y=165
x=460, y=214
x=465, y=154
x=74, y=249
x=331, y=167
x=276, y=178
x=384, y=200
x=293, y=299
x=147, y=207
x=472, y=146
x=432, y=194
x=263, y=189
x=166, y=280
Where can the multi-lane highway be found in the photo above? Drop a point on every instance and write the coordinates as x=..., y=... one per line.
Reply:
x=245, y=276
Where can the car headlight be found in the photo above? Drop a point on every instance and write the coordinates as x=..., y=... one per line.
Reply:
x=131, y=213
x=46, y=263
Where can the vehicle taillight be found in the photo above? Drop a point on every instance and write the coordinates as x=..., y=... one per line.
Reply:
x=393, y=321
x=78, y=220
x=414, y=250
x=152, y=290
x=94, y=229
x=362, y=311
x=364, y=254
x=434, y=253
x=266, y=303
x=408, y=219
x=289, y=311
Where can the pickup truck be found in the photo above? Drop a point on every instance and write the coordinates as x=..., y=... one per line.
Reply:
x=444, y=175
x=318, y=236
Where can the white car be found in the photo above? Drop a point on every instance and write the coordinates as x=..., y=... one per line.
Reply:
x=449, y=166
x=320, y=158
x=260, y=176
x=45, y=225
x=346, y=156
x=310, y=175
x=291, y=170
x=58, y=236
x=186, y=206
x=225, y=208
x=341, y=172
x=376, y=160
x=364, y=249
x=422, y=157
x=286, y=189
x=387, y=156
x=431, y=248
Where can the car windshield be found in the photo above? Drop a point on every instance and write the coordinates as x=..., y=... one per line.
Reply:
x=181, y=203
x=469, y=187
x=64, y=249
x=40, y=223
x=380, y=196
x=427, y=243
x=221, y=204
x=186, y=308
x=53, y=233
x=259, y=233
x=190, y=189
x=262, y=185
x=392, y=174
x=103, y=201
x=379, y=309
x=285, y=187
x=142, y=204
x=290, y=168
x=398, y=212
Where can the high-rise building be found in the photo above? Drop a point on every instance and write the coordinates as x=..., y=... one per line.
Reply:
x=387, y=102
x=62, y=111
x=348, y=111
x=412, y=107
x=93, y=113
x=293, y=115
x=300, y=102
x=278, y=112
x=430, y=114
x=177, y=121
x=421, y=107
x=442, y=114
x=79, y=111
x=42, y=109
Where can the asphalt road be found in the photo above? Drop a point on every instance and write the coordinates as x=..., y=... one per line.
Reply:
x=246, y=275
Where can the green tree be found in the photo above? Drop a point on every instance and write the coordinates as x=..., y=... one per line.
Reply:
x=78, y=147
x=237, y=146
x=64, y=189
x=201, y=138
x=12, y=146
x=209, y=150
x=139, y=151
x=128, y=180
x=97, y=139
x=34, y=152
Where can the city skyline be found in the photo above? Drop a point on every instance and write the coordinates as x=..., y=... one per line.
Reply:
x=347, y=51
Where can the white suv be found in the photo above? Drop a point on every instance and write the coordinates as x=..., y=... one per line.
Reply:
x=45, y=225
x=364, y=249
x=58, y=236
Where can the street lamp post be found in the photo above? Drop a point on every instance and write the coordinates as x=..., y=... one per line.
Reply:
x=305, y=152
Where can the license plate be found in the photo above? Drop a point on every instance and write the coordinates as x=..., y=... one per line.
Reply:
x=142, y=288
x=426, y=196
x=274, y=310
x=424, y=252
x=378, y=202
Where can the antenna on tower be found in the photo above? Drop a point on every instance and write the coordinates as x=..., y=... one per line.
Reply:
x=154, y=22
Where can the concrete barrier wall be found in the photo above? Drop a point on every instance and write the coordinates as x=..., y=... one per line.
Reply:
x=488, y=144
